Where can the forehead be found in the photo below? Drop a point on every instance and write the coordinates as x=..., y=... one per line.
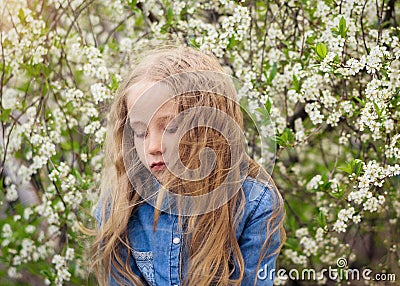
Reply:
x=147, y=99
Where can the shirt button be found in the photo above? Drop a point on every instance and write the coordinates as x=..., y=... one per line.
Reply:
x=176, y=240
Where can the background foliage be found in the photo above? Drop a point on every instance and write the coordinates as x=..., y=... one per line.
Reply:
x=327, y=73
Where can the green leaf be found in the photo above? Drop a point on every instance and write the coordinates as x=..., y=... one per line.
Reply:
x=231, y=43
x=327, y=186
x=329, y=2
x=5, y=113
x=268, y=106
x=321, y=50
x=359, y=100
x=358, y=166
x=114, y=83
x=348, y=168
x=122, y=27
x=21, y=15
x=184, y=14
x=286, y=139
x=272, y=73
x=378, y=111
x=263, y=111
x=77, y=175
x=342, y=27
x=290, y=135
x=296, y=83
x=113, y=45
x=46, y=70
x=45, y=89
x=335, y=31
x=279, y=140
x=337, y=195
x=46, y=273
x=321, y=219
x=68, y=146
x=352, y=167
x=193, y=43
x=170, y=15
x=132, y=5
x=291, y=243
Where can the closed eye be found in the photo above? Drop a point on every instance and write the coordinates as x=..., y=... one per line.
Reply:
x=171, y=129
x=139, y=133
x=139, y=129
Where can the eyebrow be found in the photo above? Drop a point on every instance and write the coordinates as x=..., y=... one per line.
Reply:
x=161, y=119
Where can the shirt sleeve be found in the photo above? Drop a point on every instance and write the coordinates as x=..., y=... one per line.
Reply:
x=252, y=239
x=97, y=213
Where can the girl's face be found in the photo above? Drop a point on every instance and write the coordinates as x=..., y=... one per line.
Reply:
x=150, y=111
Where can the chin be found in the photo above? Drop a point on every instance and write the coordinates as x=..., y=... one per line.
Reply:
x=158, y=177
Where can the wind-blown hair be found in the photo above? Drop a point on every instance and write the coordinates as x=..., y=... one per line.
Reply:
x=197, y=80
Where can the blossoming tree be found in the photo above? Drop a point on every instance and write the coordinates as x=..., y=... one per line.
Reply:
x=325, y=72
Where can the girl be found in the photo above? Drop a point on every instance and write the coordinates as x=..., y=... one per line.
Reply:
x=182, y=203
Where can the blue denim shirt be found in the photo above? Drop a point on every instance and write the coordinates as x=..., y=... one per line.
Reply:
x=157, y=255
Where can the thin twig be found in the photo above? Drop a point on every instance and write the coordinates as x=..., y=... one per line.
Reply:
x=362, y=26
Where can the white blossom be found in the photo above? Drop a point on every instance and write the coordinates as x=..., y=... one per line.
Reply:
x=314, y=182
x=100, y=92
x=309, y=245
x=6, y=231
x=12, y=273
x=11, y=193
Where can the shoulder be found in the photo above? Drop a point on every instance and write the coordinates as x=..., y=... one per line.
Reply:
x=258, y=192
x=262, y=200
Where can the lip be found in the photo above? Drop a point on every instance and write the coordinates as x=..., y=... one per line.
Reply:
x=158, y=166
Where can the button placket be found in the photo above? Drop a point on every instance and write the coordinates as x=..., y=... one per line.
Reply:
x=175, y=254
x=176, y=240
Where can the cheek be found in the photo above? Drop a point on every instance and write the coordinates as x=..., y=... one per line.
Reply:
x=170, y=142
x=139, y=146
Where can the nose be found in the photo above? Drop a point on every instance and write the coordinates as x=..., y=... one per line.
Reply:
x=154, y=143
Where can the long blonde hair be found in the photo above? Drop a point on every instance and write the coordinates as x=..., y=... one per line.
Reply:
x=213, y=247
